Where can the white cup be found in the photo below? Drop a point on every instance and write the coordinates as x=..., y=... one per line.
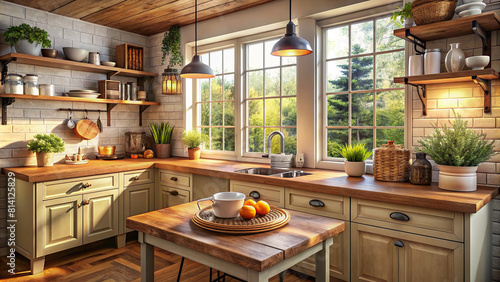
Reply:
x=416, y=65
x=225, y=204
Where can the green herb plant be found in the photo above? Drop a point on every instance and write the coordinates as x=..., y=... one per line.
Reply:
x=402, y=13
x=46, y=143
x=171, y=45
x=457, y=145
x=354, y=153
x=193, y=138
x=161, y=132
x=25, y=31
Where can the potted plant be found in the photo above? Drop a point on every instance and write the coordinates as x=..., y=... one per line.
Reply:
x=26, y=39
x=171, y=45
x=355, y=156
x=403, y=16
x=457, y=151
x=45, y=145
x=162, y=136
x=192, y=139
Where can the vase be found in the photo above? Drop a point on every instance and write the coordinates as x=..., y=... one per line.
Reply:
x=194, y=153
x=44, y=159
x=455, y=59
x=421, y=171
x=457, y=178
x=25, y=47
x=354, y=169
x=162, y=151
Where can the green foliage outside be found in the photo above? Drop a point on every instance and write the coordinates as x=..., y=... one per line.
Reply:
x=171, y=45
x=46, y=143
x=457, y=145
x=354, y=153
x=161, y=132
x=193, y=138
x=25, y=31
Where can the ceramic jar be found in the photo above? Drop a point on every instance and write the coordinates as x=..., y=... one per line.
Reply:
x=455, y=59
x=416, y=65
x=421, y=171
x=432, y=61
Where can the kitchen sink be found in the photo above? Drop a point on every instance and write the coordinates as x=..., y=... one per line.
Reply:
x=285, y=173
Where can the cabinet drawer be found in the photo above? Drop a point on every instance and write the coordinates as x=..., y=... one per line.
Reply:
x=317, y=203
x=170, y=197
x=274, y=195
x=138, y=177
x=175, y=179
x=430, y=222
x=74, y=186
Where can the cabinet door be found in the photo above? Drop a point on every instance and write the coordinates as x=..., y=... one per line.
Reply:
x=173, y=196
x=59, y=225
x=100, y=215
x=137, y=199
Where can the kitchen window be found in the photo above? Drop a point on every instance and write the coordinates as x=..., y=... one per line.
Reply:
x=361, y=102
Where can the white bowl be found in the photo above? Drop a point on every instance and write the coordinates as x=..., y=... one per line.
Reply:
x=107, y=63
x=477, y=62
x=470, y=6
x=75, y=54
x=471, y=1
x=471, y=12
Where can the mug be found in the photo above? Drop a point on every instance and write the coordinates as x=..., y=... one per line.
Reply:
x=225, y=204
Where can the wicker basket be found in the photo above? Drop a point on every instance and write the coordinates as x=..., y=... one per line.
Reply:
x=432, y=11
x=391, y=163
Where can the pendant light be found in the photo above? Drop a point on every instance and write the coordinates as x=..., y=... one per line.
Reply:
x=291, y=45
x=196, y=69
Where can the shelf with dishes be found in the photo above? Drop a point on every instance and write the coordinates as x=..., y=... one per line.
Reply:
x=9, y=99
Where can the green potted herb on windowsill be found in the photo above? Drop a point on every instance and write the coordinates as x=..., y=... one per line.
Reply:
x=26, y=39
x=162, y=136
x=45, y=145
x=192, y=139
x=355, y=156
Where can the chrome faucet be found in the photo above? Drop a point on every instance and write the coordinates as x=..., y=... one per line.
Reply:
x=269, y=138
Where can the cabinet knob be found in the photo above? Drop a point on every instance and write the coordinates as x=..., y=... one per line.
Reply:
x=136, y=177
x=399, y=244
x=316, y=203
x=254, y=194
x=173, y=178
x=86, y=185
x=79, y=204
x=174, y=193
x=85, y=202
x=399, y=216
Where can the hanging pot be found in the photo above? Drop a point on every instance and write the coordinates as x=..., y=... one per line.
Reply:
x=457, y=178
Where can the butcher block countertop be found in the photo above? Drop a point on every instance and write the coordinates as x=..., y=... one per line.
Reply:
x=324, y=181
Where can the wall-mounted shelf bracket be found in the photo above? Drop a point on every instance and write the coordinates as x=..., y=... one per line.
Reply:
x=422, y=94
x=5, y=69
x=6, y=102
x=142, y=108
x=417, y=42
x=109, y=107
x=479, y=31
x=111, y=74
x=486, y=86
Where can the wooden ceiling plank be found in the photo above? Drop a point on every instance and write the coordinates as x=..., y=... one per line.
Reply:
x=81, y=8
x=43, y=5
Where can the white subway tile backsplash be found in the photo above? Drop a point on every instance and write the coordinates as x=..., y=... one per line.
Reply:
x=60, y=21
x=86, y=38
x=71, y=34
x=114, y=34
x=5, y=22
x=12, y=10
x=83, y=27
x=36, y=15
x=18, y=21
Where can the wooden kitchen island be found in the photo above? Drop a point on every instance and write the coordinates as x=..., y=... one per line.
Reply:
x=253, y=257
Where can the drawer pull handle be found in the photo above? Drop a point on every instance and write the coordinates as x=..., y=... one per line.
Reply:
x=86, y=185
x=399, y=244
x=399, y=216
x=174, y=193
x=254, y=194
x=79, y=204
x=173, y=178
x=137, y=177
x=316, y=203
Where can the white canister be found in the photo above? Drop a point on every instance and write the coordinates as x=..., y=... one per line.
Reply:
x=416, y=65
x=47, y=90
x=432, y=61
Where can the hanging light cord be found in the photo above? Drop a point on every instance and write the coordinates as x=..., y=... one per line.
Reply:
x=196, y=27
x=290, y=10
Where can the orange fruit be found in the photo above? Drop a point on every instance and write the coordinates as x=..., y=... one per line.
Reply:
x=247, y=212
x=262, y=208
x=250, y=202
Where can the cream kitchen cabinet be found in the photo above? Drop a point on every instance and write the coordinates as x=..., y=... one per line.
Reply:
x=138, y=194
x=173, y=188
x=274, y=195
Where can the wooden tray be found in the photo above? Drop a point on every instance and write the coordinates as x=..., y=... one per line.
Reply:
x=206, y=219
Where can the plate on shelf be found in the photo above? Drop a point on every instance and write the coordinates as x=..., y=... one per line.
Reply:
x=77, y=162
x=82, y=91
x=470, y=6
x=83, y=94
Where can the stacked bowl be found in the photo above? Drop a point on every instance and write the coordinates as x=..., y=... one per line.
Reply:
x=470, y=8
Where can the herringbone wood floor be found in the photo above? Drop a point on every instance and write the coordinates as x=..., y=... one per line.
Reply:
x=101, y=261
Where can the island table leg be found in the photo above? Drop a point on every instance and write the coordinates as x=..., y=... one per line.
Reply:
x=323, y=261
x=147, y=260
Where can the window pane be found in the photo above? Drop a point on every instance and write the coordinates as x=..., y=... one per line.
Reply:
x=229, y=60
x=290, y=140
x=385, y=39
x=255, y=84
x=229, y=87
x=337, y=73
x=272, y=112
x=206, y=131
x=216, y=114
x=216, y=61
x=289, y=114
x=362, y=38
x=205, y=114
x=390, y=108
x=204, y=89
x=255, y=113
x=271, y=61
x=289, y=81
x=216, y=138
x=255, y=56
x=255, y=139
x=216, y=88
x=229, y=113
x=288, y=61
x=338, y=110
x=335, y=138
x=362, y=136
x=396, y=134
x=205, y=58
x=275, y=142
x=389, y=65
x=362, y=73
x=337, y=44
x=272, y=82
x=229, y=139
x=362, y=109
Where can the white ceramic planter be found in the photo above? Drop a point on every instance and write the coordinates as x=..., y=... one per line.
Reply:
x=355, y=169
x=23, y=46
x=457, y=178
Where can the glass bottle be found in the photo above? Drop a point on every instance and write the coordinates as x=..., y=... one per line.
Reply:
x=421, y=171
x=455, y=59
x=13, y=84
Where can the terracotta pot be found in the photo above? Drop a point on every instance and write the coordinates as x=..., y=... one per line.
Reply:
x=194, y=154
x=457, y=178
x=162, y=151
x=44, y=159
x=354, y=169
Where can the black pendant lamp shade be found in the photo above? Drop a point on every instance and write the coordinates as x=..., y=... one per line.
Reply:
x=196, y=69
x=291, y=45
